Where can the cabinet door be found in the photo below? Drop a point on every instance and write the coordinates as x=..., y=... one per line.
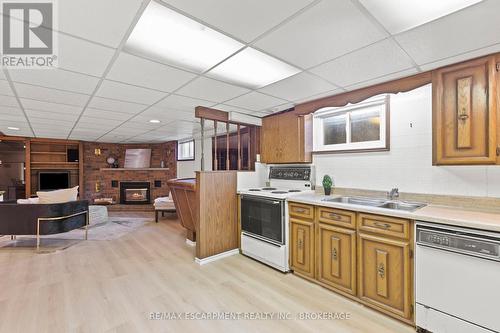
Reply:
x=302, y=247
x=337, y=257
x=270, y=147
x=464, y=113
x=385, y=274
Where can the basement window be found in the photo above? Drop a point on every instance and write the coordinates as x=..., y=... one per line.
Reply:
x=360, y=127
x=185, y=151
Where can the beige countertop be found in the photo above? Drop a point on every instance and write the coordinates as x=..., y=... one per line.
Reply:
x=431, y=213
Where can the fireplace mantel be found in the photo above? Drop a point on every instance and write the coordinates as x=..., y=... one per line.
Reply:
x=134, y=169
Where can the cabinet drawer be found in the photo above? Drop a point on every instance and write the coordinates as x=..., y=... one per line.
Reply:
x=384, y=225
x=302, y=211
x=337, y=217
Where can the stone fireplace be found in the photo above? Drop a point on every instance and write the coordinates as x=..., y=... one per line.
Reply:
x=135, y=193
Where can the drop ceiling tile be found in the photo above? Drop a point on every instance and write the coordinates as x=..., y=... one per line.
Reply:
x=183, y=103
x=97, y=113
x=125, y=92
x=8, y=101
x=230, y=108
x=81, y=56
x=385, y=57
x=211, y=90
x=138, y=71
x=279, y=108
x=320, y=95
x=243, y=19
x=50, y=95
x=105, y=22
x=57, y=79
x=114, y=105
x=454, y=34
x=50, y=107
x=98, y=123
x=38, y=121
x=385, y=78
x=51, y=115
x=255, y=101
x=8, y=110
x=461, y=57
x=298, y=86
x=18, y=117
x=323, y=32
x=164, y=115
x=5, y=88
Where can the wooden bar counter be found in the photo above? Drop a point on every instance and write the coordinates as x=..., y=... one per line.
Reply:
x=207, y=207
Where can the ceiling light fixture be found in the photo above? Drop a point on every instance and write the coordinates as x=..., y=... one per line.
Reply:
x=155, y=121
x=167, y=36
x=13, y=128
x=398, y=16
x=253, y=69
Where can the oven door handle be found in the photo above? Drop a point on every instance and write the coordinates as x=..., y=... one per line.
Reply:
x=274, y=202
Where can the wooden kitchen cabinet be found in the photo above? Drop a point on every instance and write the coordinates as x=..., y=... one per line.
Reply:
x=337, y=258
x=302, y=247
x=465, y=113
x=384, y=274
x=286, y=138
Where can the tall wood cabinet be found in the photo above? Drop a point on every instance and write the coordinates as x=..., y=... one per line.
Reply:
x=286, y=138
x=365, y=257
x=465, y=113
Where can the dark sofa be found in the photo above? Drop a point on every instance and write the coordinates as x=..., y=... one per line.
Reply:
x=42, y=219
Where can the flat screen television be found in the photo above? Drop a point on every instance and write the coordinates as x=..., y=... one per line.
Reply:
x=48, y=181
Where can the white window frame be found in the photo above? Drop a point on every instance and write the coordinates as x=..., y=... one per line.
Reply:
x=186, y=158
x=380, y=103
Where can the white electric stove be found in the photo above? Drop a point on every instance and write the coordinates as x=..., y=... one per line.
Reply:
x=264, y=214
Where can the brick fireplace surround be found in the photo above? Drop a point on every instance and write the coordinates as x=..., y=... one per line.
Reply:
x=93, y=163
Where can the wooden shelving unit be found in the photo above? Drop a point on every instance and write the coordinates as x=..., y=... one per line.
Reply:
x=52, y=155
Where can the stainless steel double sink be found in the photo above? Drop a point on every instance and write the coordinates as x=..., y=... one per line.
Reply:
x=379, y=203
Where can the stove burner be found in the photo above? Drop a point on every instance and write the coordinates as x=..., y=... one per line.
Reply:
x=279, y=192
x=254, y=189
x=269, y=188
x=293, y=191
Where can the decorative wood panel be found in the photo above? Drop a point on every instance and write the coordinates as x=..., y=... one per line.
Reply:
x=384, y=225
x=464, y=116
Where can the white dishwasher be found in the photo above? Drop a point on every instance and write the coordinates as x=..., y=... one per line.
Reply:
x=457, y=276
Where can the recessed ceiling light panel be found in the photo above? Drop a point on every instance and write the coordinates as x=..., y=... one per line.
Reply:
x=253, y=69
x=155, y=121
x=13, y=128
x=169, y=37
x=400, y=15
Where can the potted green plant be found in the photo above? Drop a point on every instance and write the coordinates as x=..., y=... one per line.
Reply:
x=327, y=184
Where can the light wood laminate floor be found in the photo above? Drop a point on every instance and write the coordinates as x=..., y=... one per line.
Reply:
x=113, y=286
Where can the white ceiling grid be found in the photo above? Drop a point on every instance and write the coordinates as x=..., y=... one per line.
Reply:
x=103, y=92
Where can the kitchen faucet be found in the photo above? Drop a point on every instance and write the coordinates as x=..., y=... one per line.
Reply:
x=394, y=193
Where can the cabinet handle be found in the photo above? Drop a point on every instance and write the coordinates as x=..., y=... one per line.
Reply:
x=382, y=225
x=299, y=243
x=498, y=151
x=335, y=216
x=299, y=210
x=334, y=254
x=381, y=270
x=463, y=116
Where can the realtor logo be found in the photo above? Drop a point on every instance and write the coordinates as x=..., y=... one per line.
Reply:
x=28, y=34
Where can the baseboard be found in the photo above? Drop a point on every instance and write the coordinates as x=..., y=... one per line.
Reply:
x=216, y=257
x=190, y=242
